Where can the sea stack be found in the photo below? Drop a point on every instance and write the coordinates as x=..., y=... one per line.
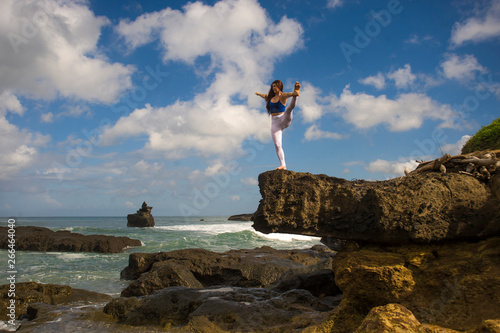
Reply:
x=142, y=218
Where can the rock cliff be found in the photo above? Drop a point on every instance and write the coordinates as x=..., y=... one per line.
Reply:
x=415, y=254
x=421, y=208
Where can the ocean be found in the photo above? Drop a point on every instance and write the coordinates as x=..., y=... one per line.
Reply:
x=101, y=272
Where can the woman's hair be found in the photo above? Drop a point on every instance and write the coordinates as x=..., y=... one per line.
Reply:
x=270, y=94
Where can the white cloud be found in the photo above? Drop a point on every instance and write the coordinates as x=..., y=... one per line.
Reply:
x=334, y=3
x=403, y=77
x=455, y=148
x=417, y=40
x=406, y=112
x=144, y=168
x=10, y=103
x=184, y=127
x=235, y=198
x=243, y=45
x=314, y=133
x=393, y=168
x=250, y=181
x=378, y=81
x=17, y=146
x=310, y=109
x=461, y=68
x=47, y=117
x=51, y=50
x=51, y=201
x=478, y=28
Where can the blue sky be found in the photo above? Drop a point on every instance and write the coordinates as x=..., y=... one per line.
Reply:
x=105, y=104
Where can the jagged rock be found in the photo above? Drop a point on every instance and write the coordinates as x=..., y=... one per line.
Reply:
x=488, y=326
x=241, y=217
x=225, y=309
x=396, y=318
x=422, y=208
x=455, y=285
x=142, y=218
x=261, y=267
x=27, y=293
x=29, y=238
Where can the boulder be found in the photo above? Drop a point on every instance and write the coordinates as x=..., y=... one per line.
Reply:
x=261, y=267
x=142, y=218
x=421, y=208
x=29, y=238
x=396, y=318
x=28, y=293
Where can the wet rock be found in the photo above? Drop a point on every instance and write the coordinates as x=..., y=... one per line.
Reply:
x=142, y=218
x=261, y=267
x=228, y=309
x=29, y=238
x=27, y=293
x=422, y=208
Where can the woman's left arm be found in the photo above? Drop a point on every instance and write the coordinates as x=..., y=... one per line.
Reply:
x=286, y=95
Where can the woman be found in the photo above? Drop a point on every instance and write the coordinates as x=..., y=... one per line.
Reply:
x=281, y=114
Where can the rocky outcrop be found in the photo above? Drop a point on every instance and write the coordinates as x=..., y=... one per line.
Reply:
x=142, y=218
x=261, y=267
x=241, y=217
x=237, y=291
x=229, y=309
x=419, y=253
x=29, y=238
x=421, y=208
x=454, y=285
x=29, y=293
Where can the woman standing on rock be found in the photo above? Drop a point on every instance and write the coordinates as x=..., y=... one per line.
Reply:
x=281, y=114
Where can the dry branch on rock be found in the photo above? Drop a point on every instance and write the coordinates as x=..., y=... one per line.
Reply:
x=480, y=165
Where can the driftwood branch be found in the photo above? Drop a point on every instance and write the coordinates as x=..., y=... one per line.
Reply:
x=478, y=164
x=432, y=165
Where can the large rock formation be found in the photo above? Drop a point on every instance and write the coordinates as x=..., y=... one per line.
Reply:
x=142, y=218
x=261, y=267
x=238, y=291
x=454, y=285
x=421, y=208
x=29, y=238
x=414, y=252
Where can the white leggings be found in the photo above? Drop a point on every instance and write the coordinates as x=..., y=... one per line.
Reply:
x=278, y=124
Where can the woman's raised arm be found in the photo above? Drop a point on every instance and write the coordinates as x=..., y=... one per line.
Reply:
x=264, y=96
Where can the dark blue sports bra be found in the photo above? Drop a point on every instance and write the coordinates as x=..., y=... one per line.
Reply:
x=276, y=107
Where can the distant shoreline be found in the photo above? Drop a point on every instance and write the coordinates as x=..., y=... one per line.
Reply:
x=241, y=217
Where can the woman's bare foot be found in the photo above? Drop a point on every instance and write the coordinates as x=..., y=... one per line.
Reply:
x=282, y=167
x=297, y=88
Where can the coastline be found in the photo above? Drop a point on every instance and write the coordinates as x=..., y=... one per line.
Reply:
x=409, y=280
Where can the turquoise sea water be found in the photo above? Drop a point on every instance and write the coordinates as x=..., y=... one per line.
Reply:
x=101, y=272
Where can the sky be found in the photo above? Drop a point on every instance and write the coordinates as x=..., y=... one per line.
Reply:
x=106, y=104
